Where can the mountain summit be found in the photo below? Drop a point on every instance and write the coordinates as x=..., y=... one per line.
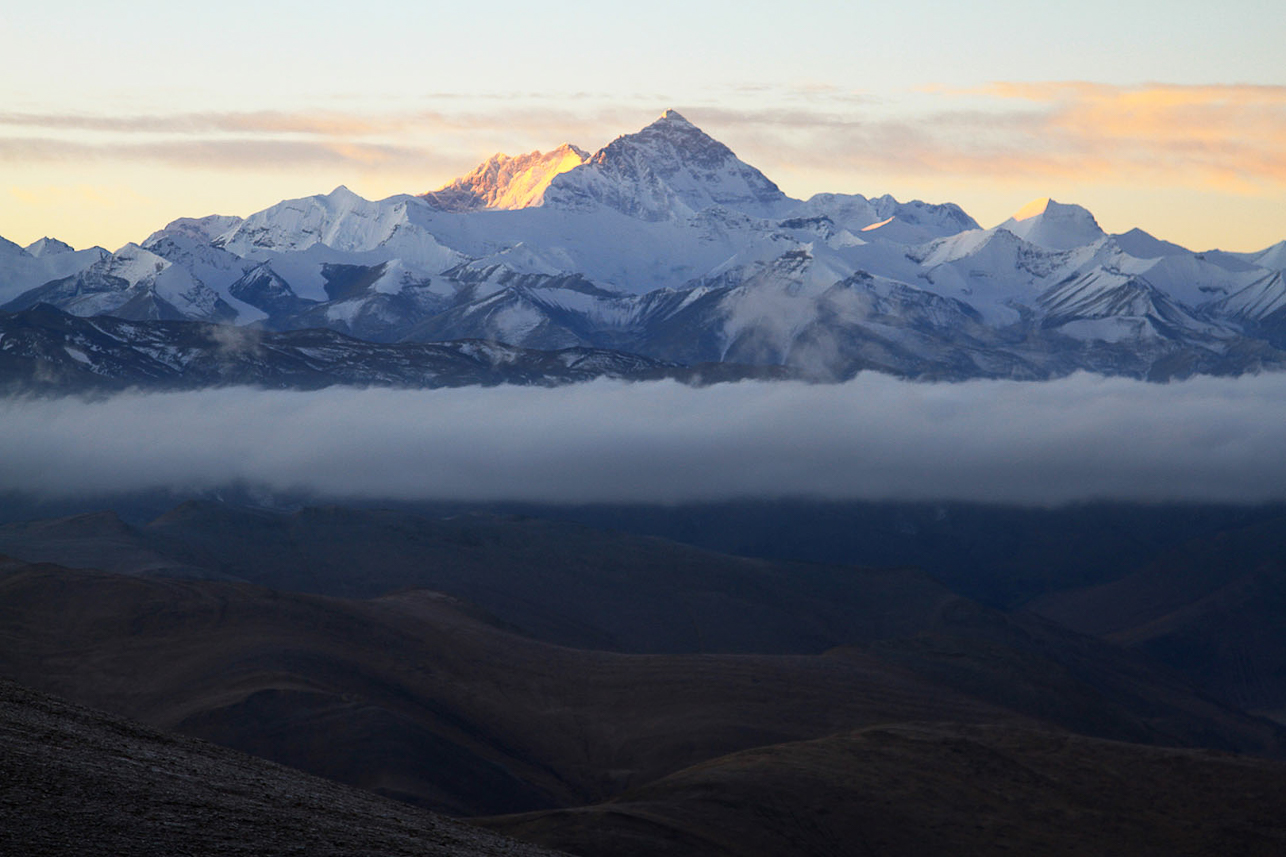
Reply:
x=1054, y=225
x=670, y=169
x=48, y=247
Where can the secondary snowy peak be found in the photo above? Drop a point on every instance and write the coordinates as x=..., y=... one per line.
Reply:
x=343, y=222
x=1272, y=258
x=339, y=219
x=1054, y=225
x=48, y=247
x=10, y=249
x=1035, y=208
x=131, y=283
x=504, y=182
x=41, y=262
x=669, y=170
x=913, y=222
x=1142, y=245
x=937, y=219
x=203, y=229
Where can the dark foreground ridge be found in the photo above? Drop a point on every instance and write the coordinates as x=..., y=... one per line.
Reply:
x=78, y=781
x=929, y=789
x=611, y=694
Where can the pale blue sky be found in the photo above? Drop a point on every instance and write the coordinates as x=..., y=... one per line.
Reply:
x=257, y=53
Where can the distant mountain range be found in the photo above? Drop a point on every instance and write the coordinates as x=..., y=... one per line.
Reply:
x=46, y=350
x=664, y=244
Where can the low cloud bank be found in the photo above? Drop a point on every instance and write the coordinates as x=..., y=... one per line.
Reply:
x=1080, y=438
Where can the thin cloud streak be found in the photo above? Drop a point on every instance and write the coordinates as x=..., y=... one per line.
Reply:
x=501, y=122
x=525, y=111
x=1230, y=139
x=412, y=142
x=1079, y=438
x=273, y=122
x=245, y=153
x=1225, y=138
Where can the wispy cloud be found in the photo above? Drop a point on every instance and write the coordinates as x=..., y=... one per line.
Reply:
x=251, y=152
x=1230, y=139
x=1234, y=137
x=514, y=122
x=327, y=124
x=875, y=437
x=415, y=141
x=1225, y=138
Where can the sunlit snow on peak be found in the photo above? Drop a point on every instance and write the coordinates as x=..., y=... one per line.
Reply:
x=504, y=182
x=1032, y=209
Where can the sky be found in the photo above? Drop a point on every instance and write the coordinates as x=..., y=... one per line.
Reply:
x=876, y=437
x=116, y=119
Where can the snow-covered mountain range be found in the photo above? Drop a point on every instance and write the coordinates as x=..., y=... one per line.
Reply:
x=45, y=350
x=663, y=243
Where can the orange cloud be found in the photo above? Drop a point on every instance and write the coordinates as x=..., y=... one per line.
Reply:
x=1225, y=138
x=224, y=153
x=327, y=123
x=1230, y=138
x=409, y=140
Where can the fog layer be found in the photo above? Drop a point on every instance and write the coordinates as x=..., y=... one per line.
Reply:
x=873, y=438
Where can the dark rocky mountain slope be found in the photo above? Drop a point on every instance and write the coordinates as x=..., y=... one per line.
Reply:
x=76, y=780
x=910, y=790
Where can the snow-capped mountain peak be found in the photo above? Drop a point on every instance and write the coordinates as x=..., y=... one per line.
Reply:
x=1142, y=245
x=1035, y=208
x=913, y=222
x=1273, y=258
x=340, y=219
x=1054, y=225
x=131, y=283
x=48, y=247
x=342, y=195
x=504, y=182
x=673, y=138
x=203, y=229
x=672, y=115
x=669, y=170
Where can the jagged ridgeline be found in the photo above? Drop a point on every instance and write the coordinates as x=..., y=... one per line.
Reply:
x=664, y=244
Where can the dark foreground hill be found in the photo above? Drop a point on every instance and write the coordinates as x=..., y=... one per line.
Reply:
x=423, y=697
x=1211, y=608
x=628, y=694
x=77, y=781
x=413, y=696
x=899, y=791
x=557, y=581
